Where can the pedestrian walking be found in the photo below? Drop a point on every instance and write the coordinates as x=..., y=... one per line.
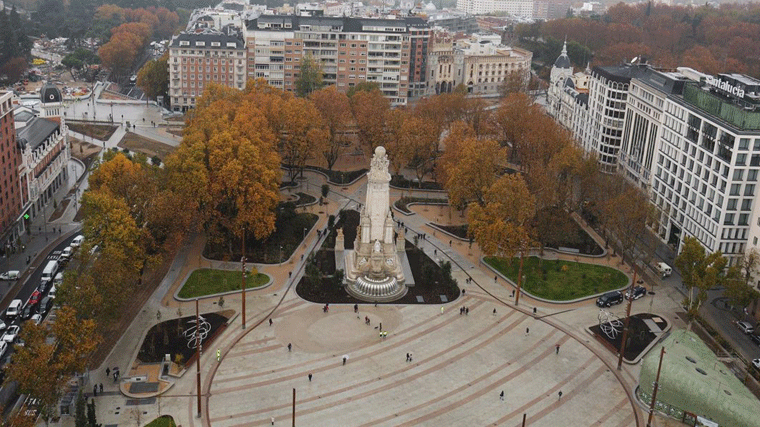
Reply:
x=501, y=395
x=344, y=360
x=290, y=274
x=309, y=376
x=513, y=293
x=366, y=320
x=407, y=357
x=115, y=376
x=356, y=308
x=467, y=311
x=381, y=326
x=557, y=349
x=218, y=355
x=441, y=310
x=494, y=312
x=108, y=371
x=463, y=291
x=290, y=346
x=270, y=322
x=449, y=242
x=560, y=395
x=101, y=388
x=461, y=311
x=495, y=278
x=272, y=420
x=95, y=390
x=411, y=357
x=527, y=331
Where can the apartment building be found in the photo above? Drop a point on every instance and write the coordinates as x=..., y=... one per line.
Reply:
x=519, y=8
x=389, y=52
x=10, y=190
x=202, y=57
x=479, y=62
x=689, y=140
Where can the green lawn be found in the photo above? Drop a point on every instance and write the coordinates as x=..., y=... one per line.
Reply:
x=163, y=421
x=207, y=281
x=560, y=280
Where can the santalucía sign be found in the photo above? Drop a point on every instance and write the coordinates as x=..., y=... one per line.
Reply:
x=725, y=86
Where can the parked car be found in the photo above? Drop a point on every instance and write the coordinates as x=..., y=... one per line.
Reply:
x=37, y=319
x=745, y=327
x=9, y=275
x=755, y=338
x=3, y=348
x=35, y=298
x=10, y=335
x=609, y=299
x=638, y=292
x=52, y=292
x=77, y=242
x=2, y=325
x=756, y=363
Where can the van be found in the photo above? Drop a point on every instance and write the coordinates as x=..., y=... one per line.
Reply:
x=49, y=272
x=14, y=308
x=51, y=294
x=664, y=269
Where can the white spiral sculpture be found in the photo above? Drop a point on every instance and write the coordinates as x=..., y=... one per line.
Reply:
x=610, y=324
x=202, y=329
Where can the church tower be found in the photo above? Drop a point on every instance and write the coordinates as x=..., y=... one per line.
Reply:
x=561, y=70
x=51, y=101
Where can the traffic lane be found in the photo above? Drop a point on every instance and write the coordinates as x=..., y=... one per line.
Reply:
x=723, y=323
x=34, y=279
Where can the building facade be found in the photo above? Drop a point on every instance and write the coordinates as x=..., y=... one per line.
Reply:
x=521, y=8
x=199, y=58
x=45, y=153
x=689, y=140
x=480, y=63
x=10, y=188
x=390, y=52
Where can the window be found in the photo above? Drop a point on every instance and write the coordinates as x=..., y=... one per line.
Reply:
x=729, y=220
x=749, y=190
x=732, y=204
x=743, y=219
x=747, y=204
x=738, y=174
x=735, y=189
x=741, y=159
x=752, y=175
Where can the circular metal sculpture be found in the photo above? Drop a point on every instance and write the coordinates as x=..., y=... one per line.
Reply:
x=610, y=324
x=202, y=330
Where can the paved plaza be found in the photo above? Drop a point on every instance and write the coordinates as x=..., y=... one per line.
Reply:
x=460, y=363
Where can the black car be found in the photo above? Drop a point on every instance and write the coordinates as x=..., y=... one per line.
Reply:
x=638, y=292
x=45, y=305
x=755, y=338
x=610, y=299
x=28, y=311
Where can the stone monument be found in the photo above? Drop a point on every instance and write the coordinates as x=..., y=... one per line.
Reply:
x=374, y=269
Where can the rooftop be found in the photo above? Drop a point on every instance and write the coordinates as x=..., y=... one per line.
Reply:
x=37, y=131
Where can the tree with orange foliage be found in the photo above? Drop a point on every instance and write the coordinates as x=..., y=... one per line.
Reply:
x=335, y=109
x=227, y=168
x=120, y=52
x=370, y=109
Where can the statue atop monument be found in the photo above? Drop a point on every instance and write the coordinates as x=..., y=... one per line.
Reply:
x=373, y=269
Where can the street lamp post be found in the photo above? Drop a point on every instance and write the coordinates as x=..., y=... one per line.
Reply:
x=304, y=235
x=655, y=386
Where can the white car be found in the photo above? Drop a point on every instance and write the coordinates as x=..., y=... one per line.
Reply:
x=9, y=275
x=11, y=333
x=67, y=252
x=77, y=242
x=756, y=363
x=37, y=319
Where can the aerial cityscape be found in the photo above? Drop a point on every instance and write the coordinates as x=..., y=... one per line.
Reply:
x=379, y=213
